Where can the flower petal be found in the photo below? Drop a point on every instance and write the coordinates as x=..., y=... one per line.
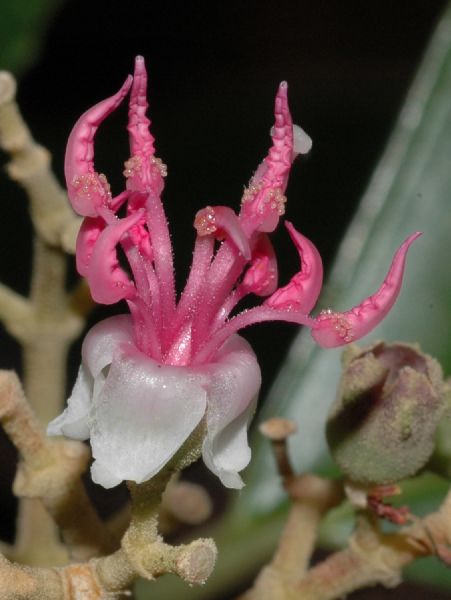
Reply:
x=73, y=421
x=102, y=341
x=233, y=386
x=142, y=416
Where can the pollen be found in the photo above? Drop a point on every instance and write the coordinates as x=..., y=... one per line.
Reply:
x=92, y=184
x=159, y=164
x=340, y=324
x=251, y=191
x=272, y=199
x=205, y=221
x=132, y=166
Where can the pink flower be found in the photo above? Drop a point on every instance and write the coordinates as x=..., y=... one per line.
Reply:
x=148, y=379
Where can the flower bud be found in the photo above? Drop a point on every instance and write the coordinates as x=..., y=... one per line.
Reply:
x=382, y=425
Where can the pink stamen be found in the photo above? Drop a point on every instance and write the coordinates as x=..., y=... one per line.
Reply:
x=195, y=286
x=87, y=237
x=87, y=189
x=263, y=201
x=252, y=316
x=303, y=290
x=333, y=329
x=108, y=282
x=163, y=261
x=221, y=222
x=144, y=172
x=261, y=276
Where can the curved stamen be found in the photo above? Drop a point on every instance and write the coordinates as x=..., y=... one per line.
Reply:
x=107, y=281
x=141, y=140
x=143, y=170
x=260, y=278
x=244, y=319
x=221, y=222
x=302, y=292
x=195, y=286
x=163, y=261
x=146, y=334
x=263, y=201
x=332, y=329
x=86, y=188
x=87, y=237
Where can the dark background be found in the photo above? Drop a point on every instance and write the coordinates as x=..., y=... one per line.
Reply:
x=214, y=68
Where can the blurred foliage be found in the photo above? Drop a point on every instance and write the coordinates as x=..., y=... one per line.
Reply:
x=23, y=24
x=410, y=191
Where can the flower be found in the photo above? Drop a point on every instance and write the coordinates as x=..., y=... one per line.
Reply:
x=148, y=379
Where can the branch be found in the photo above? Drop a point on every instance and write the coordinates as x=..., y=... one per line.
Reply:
x=52, y=217
x=51, y=470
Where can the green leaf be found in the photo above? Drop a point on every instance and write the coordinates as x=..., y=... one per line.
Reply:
x=22, y=28
x=410, y=191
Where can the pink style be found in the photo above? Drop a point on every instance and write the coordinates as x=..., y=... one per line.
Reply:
x=148, y=380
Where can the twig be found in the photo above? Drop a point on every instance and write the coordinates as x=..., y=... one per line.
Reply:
x=50, y=470
x=46, y=324
x=51, y=214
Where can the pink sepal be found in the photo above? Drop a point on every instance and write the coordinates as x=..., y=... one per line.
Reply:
x=302, y=292
x=87, y=189
x=107, y=281
x=334, y=329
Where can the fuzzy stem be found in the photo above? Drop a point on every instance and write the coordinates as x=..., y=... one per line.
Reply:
x=45, y=339
x=49, y=470
x=312, y=498
x=371, y=558
x=47, y=326
x=51, y=214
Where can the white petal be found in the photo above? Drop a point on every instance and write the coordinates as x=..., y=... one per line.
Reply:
x=101, y=475
x=234, y=382
x=73, y=421
x=103, y=340
x=143, y=414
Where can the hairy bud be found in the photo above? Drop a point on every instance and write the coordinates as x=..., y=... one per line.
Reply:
x=382, y=425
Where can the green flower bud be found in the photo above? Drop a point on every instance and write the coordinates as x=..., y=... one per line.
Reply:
x=382, y=425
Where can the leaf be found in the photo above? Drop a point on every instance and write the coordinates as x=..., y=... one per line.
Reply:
x=22, y=28
x=410, y=190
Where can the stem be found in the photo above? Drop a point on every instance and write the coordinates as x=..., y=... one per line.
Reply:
x=45, y=341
